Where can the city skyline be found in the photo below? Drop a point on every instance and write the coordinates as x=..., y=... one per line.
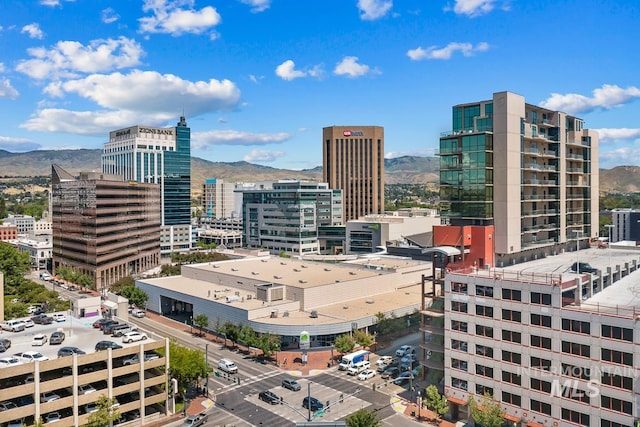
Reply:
x=259, y=79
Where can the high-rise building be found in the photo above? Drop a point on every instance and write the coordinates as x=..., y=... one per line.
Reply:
x=625, y=225
x=353, y=161
x=529, y=171
x=287, y=216
x=218, y=199
x=160, y=156
x=103, y=226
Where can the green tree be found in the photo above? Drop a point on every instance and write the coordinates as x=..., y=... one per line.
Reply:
x=187, y=365
x=247, y=336
x=13, y=263
x=268, y=344
x=491, y=414
x=344, y=343
x=136, y=296
x=363, y=338
x=231, y=331
x=38, y=423
x=435, y=401
x=120, y=285
x=169, y=270
x=201, y=321
x=107, y=412
x=363, y=418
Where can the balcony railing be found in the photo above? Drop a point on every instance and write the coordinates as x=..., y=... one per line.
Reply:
x=540, y=167
x=539, y=182
x=540, y=197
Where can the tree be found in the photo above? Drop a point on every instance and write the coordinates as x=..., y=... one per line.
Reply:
x=344, y=343
x=231, y=332
x=363, y=338
x=136, y=296
x=187, y=365
x=201, y=321
x=13, y=263
x=487, y=412
x=363, y=418
x=247, y=335
x=120, y=285
x=107, y=412
x=268, y=344
x=435, y=401
x=169, y=270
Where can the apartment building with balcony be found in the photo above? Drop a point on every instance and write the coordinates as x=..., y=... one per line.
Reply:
x=529, y=171
x=69, y=386
x=103, y=226
x=552, y=346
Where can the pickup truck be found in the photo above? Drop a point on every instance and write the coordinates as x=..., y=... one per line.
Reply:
x=42, y=319
x=13, y=325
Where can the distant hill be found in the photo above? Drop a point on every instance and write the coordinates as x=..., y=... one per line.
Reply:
x=400, y=170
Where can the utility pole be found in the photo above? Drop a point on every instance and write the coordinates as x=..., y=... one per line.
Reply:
x=206, y=361
x=309, y=419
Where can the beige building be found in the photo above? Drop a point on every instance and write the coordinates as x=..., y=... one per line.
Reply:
x=103, y=226
x=529, y=171
x=353, y=161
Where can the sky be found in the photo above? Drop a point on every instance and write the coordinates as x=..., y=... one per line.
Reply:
x=258, y=79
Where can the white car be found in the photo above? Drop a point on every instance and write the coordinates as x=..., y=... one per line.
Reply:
x=403, y=350
x=365, y=375
x=52, y=417
x=86, y=389
x=28, y=323
x=137, y=313
x=48, y=396
x=384, y=360
x=134, y=336
x=13, y=325
x=39, y=339
x=5, y=406
x=91, y=407
x=59, y=317
x=9, y=361
x=31, y=356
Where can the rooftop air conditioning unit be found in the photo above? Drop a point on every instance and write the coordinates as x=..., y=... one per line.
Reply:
x=314, y=314
x=302, y=281
x=249, y=296
x=277, y=277
x=285, y=314
x=297, y=270
x=255, y=273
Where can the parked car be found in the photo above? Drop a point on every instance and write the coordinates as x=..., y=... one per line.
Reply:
x=16, y=423
x=390, y=373
x=5, y=344
x=384, y=360
x=366, y=374
x=6, y=362
x=98, y=323
x=91, y=407
x=135, y=358
x=13, y=325
x=28, y=323
x=137, y=313
x=291, y=384
x=312, y=403
x=48, y=396
x=134, y=336
x=584, y=268
x=269, y=397
x=42, y=319
x=5, y=406
x=196, y=420
x=31, y=356
x=39, y=339
x=403, y=377
x=411, y=357
x=103, y=345
x=405, y=349
x=52, y=417
x=120, y=330
x=107, y=328
x=56, y=338
x=59, y=317
x=69, y=351
x=86, y=389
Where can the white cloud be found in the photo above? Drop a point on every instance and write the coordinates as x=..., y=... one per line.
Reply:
x=255, y=79
x=2, y=67
x=287, y=71
x=138, y=97
x=433, y=52
x=258, y=5
x=68, y=58
x=200, y=140
x=371, y=10
x=607, y=97
x=349, y=67
x=109, y=15
x=429, y=152
x=33, y=30
x=612, y=134
x=474, y=8
x=6, y=90
x=53, y=3
x=264, y=156
x=16, y=145
x=619, y=156
x=168, y=17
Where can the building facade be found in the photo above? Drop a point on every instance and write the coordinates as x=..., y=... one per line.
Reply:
x=626, y=225
x=218, y=199
x=529, y=171
x=353, y=161
x=286, y=217
x=25, y=224
x=40, y=252
x=103, y=226
x=549, y=347
x=8, y=232
x=160, y=156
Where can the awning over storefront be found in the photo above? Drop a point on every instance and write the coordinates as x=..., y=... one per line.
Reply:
x=457, y=401
x=511, y=418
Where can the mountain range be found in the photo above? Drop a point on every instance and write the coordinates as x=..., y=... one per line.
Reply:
x=400, y=170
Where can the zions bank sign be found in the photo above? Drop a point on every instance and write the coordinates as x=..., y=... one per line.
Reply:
x=352, y=133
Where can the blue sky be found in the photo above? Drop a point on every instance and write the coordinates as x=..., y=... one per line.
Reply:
x=259, y=79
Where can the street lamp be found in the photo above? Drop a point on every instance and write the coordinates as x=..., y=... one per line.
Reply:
x=577, y=250
x=206, y=361
x=191, y=323
x=419, y=404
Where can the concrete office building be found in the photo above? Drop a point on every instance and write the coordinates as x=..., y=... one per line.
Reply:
x=626, y=225
x=218, y=199
x=353, y=161
x=529, y=171
x=25, y=224
x=160, y=156
x=555, y=348
x=287, y=217
x=103, y=226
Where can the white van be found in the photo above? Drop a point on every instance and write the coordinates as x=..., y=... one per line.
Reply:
x=227, y=365
x=359, y=367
